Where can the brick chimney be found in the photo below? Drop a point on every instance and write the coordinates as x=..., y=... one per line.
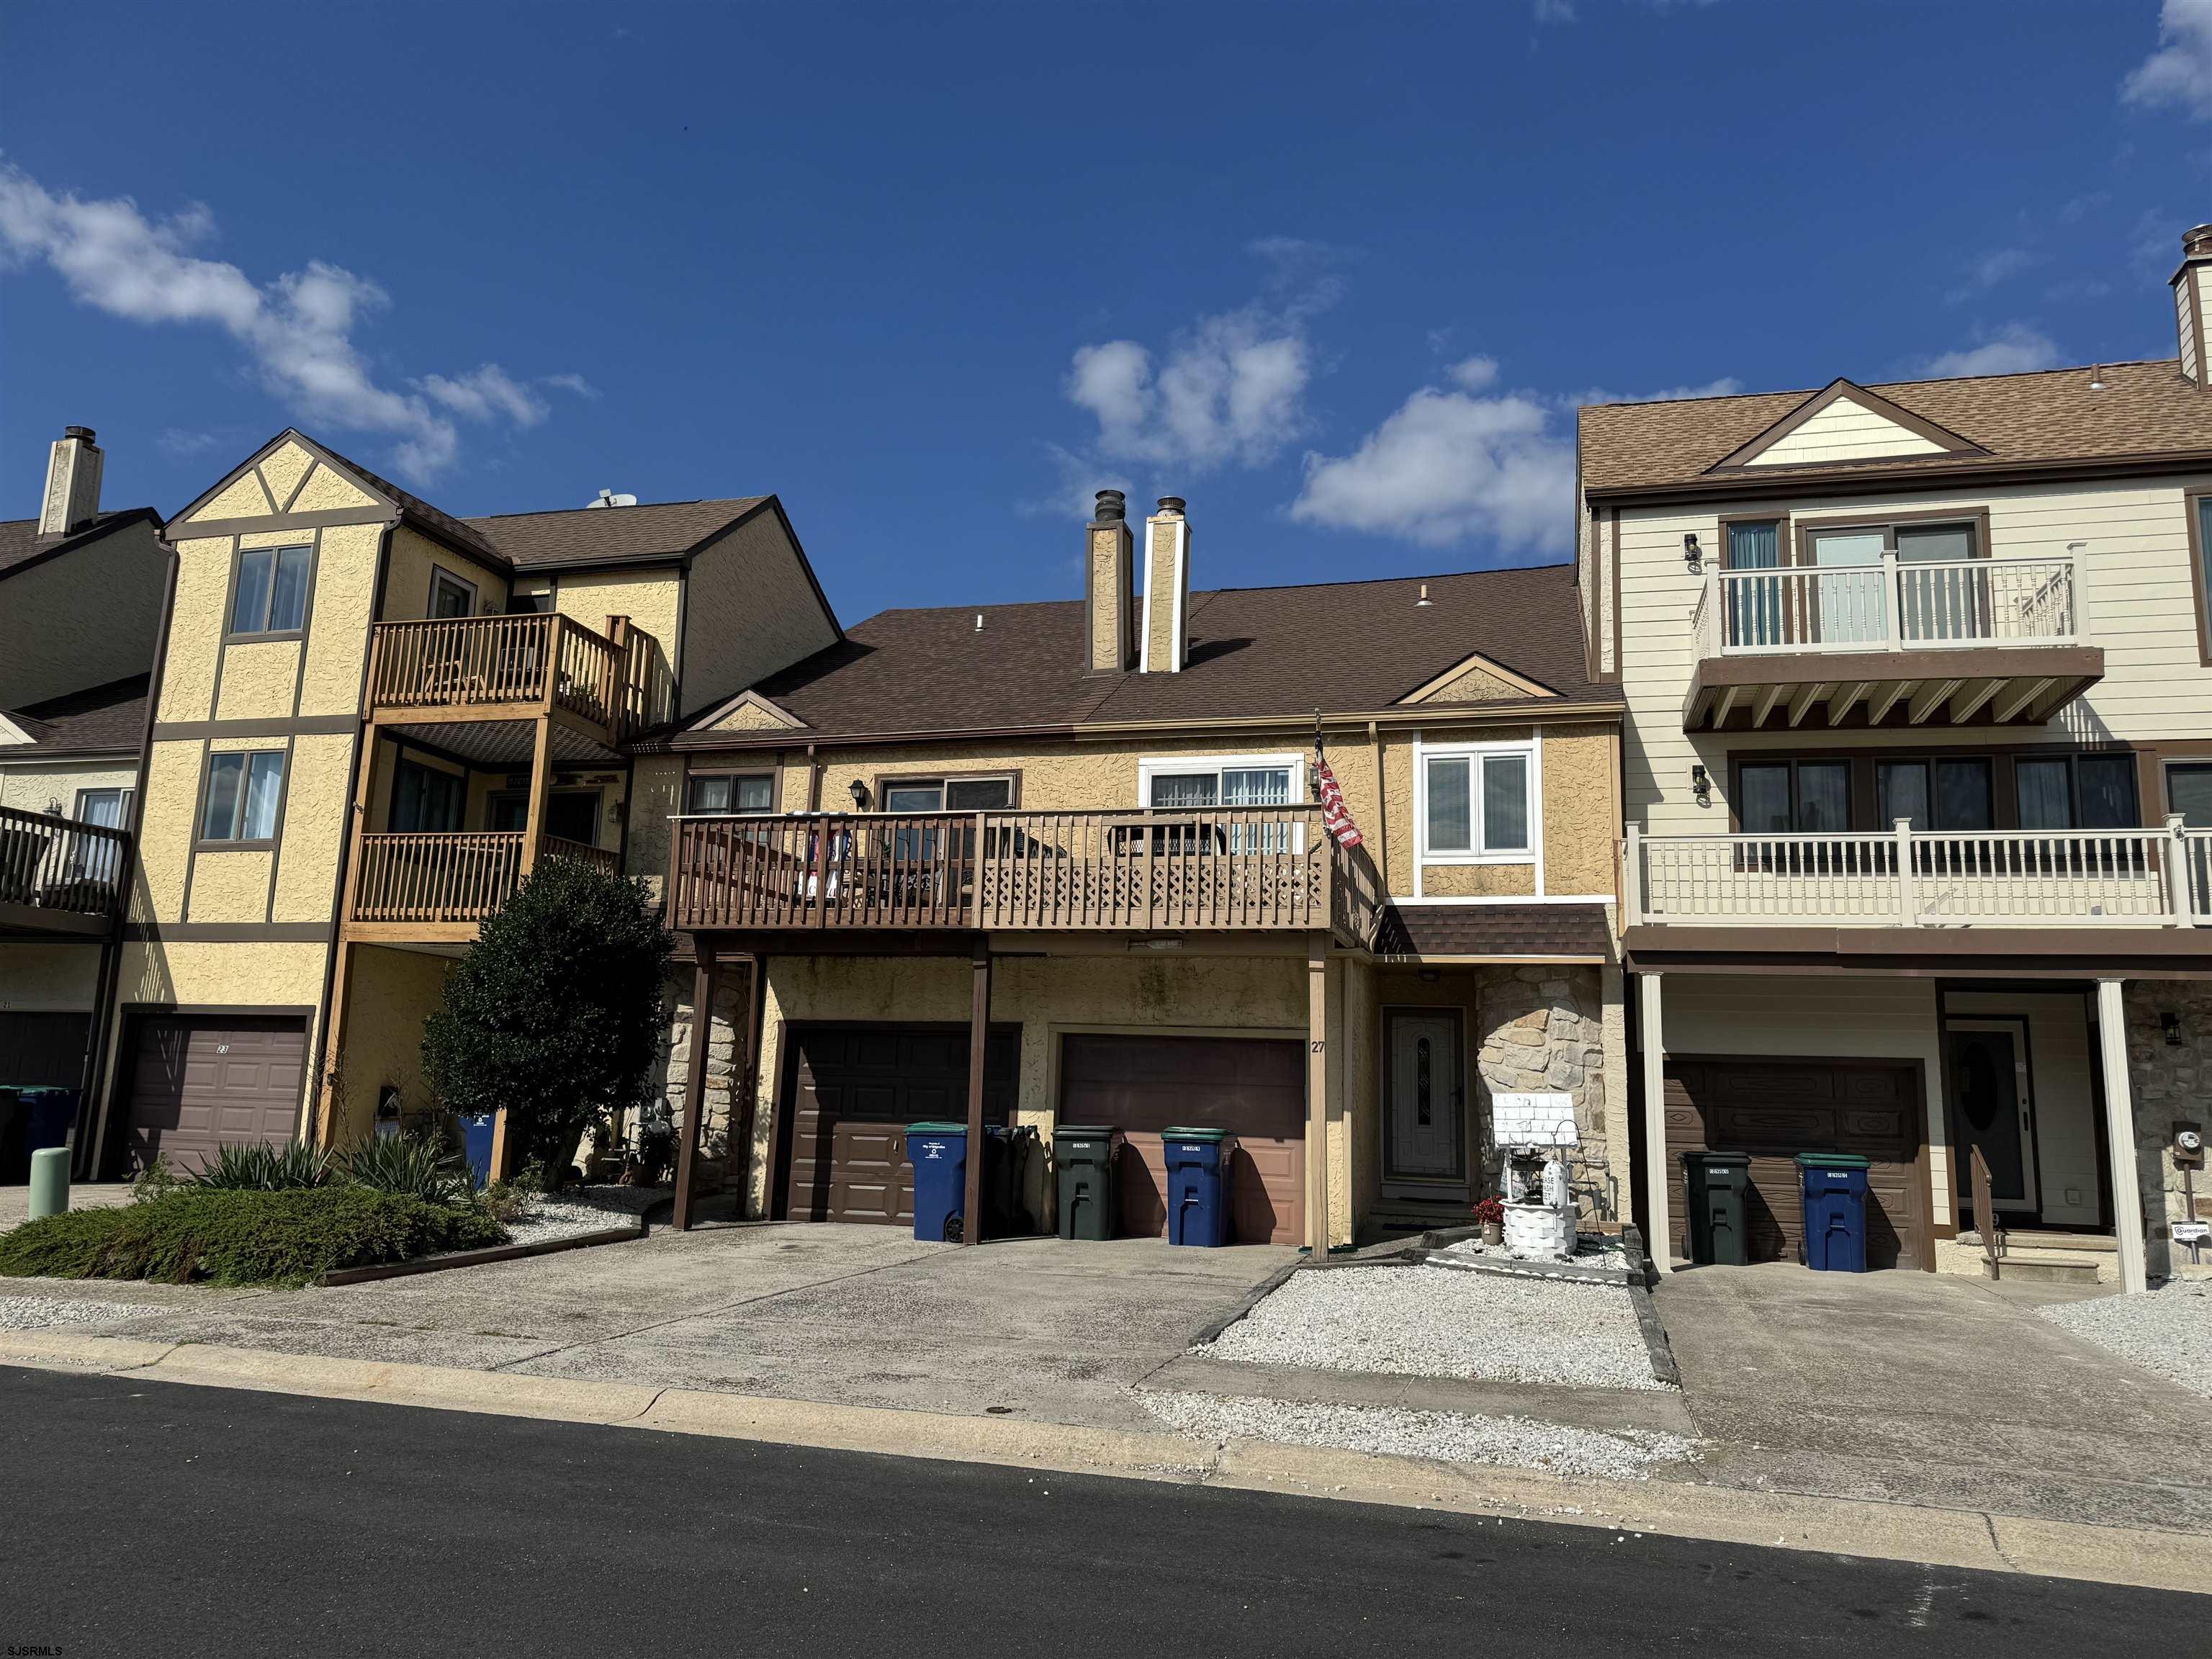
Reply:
x=1109, y=588
x=72, y=497
x=1167, y=589
x=2192, y=297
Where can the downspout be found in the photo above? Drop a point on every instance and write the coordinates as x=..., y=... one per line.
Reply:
x=92, y=1113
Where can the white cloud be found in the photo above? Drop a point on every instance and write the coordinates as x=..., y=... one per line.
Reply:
x=1988, y=270
x=1447, y=467
x=1554, y=11
x=2179, y=73
x=1475, y=373
x=1727, y=387
x=2016, y=348
x=297, y=330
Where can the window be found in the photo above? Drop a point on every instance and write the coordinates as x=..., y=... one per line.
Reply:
x=573, y=814
x=242, y=793
x=95, y=857
x=531, y=605
x=1175, y=785
x=2188, y=792
x=270, y=595
x=725, y=792
x=949, y=795
x=450, y=596
x=425, y=801
x=1935, y=794
x=108, y=807
x=2076, y=791
x=1755, y=608
x=1477, y=804
x=1793, y=796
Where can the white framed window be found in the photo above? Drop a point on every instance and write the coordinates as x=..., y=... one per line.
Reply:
x=1477, y=802
x=1177, y=781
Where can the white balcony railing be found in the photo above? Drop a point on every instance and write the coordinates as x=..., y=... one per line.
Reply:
x=1901, y=878
x=1909, y=604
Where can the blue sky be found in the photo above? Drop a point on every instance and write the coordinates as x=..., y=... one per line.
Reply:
x=1336, y=273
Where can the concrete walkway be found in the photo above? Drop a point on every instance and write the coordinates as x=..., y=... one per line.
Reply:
x=1928, y=1389
x=16, y=1202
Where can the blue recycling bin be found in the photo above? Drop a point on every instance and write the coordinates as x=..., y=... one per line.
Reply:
x=476, y=1147
x=1198, y=1184
x=51, y=1111
x=1831, y=1187
x=938, y=1152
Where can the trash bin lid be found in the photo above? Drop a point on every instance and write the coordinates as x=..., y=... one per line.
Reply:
x=1185, y=1132
x=1085, y=1131
x=937, y=1128
x=1832, y=1161
x=1720, y=1160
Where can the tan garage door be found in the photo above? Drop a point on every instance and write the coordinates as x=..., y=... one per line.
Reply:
x=197, y=1082
x=1776, y=1108
x=1255, y=1087
x=841, y=1150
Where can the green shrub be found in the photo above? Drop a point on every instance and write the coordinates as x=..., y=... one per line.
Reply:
x=507, y=1200
x=410, y=1165
x=156, y=1180
x=237, y=1237
x=292, y=1167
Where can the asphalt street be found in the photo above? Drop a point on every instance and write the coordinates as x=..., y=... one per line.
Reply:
x=145, y=1517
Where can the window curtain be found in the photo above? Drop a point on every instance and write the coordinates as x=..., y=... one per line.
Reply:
x=1755, y=607
x=1505, y=804
x=1451, y=825
x=1177, y=791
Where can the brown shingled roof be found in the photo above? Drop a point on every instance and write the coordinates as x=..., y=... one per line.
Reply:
x=1572, y=931
x=2146, y=409
x=609, y=534
x=1342, y=647
x=20, y=541
x=111, y=716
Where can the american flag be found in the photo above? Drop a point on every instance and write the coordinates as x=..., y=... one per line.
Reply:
x=1335, y=815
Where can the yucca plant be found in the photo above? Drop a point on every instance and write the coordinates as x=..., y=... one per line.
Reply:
x=290, y=1168
x=410, y=1166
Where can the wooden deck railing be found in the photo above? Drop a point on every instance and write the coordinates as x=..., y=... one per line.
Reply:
x=1893, y=605
x=61, y=864
x=458, y=878
x=1918, y=879
x=543, y=662
x=1220, y=869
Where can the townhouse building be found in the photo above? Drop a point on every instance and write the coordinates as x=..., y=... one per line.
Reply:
x=1918, y=777
x=1067, y=862
x=81, y=594
x=369, y=720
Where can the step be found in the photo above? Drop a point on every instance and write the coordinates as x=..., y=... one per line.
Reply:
x=2028, y=1271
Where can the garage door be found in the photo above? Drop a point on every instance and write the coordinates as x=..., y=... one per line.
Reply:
x=854, y=1089
x=200, y=1082
x=1143, y=1085
x=1776, y=1108
x=43, y=1050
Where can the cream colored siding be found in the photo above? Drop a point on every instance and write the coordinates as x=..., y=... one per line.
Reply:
x=748, y=610
x=1843, y=431
x=84, y=619
x=1828, y=1018
x=2139, y=605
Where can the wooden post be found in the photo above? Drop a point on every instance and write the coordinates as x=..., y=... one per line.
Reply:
x=2174, y=855
x=1317, y=1063
x=541, y=789
x=2120, y=1137
x=979, y=1038
x=1658, y=1171
x=694, y=1079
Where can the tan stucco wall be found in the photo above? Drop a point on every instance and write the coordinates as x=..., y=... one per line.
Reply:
x=195, y=626
x=33, y=786
x=650, y=598
x=283, y=469
x=83, y=619
x=749, y=610
x=229, y=886
x=38, y=977
x=326, y=492
x=407, y=582
x=1049, y=996
x=1473, y=683
x=318, y=792
x=389, y=993
x=258, y=678
x=1478, y=880
x=337, y=634
x=749, y=717
x=1581, y=812
x=244, y=498
x=656, y=795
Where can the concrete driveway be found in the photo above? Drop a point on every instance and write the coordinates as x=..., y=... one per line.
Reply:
x=851, y=1315
x=1928, y=1389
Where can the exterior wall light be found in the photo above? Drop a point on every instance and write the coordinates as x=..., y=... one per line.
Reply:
x=859, y=792
x=1701, y=786
x=2170, y=1023
x=1693, y=555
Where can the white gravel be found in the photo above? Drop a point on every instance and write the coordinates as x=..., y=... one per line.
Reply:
x=1453, y=1436
x=1433, y=1321
x=30, y=1313
x=2168, y=1330
x=569, y=1217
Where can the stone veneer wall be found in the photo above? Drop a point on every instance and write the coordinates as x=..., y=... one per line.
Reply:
x=2170, y=1082
x=1543, y=1027
x=730, y=999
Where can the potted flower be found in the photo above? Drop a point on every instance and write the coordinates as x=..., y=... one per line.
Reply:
x=1490, y=1216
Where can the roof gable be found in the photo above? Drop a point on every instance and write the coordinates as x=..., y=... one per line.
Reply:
x=749, y=711
x=1844, y=422
x=1478, y=678
x=288, y=474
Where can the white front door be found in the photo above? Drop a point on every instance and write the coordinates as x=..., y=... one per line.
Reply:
x=1424, y=1127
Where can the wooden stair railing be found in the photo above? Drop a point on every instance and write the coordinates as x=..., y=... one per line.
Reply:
x=1986, y=1215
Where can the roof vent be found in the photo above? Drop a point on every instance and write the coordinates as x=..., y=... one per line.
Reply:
x=1424, y=598
x=2097, y=378
x=979, y=622
x=608, y=498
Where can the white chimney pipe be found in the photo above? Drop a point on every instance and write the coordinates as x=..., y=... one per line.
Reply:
x=72, y=497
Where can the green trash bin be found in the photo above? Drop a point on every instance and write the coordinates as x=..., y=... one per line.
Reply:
x=1719, y=1183
x=1085, y=1156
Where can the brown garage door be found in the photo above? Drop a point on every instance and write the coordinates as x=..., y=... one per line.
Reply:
x=854, y=1089
x=43, y=1050
x=1255, y=1087
x=1776, y=1108
x=197, y=1082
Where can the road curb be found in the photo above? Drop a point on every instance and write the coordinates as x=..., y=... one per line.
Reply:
x=2143, y=1557
x=627, y=1233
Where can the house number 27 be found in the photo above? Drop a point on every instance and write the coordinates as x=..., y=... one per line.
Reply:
x=1318, y=1044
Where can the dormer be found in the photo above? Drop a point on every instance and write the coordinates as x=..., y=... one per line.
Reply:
x=1844, y=422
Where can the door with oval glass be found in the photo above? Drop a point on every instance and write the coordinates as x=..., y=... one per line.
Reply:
x=1992, y=1107
x=1425, y=1118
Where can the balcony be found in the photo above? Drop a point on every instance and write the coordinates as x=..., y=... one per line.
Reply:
x=1225, y=869
x=2088, y=878
x=475, y=685
x=59, y=876
x=1898, y=644
x=440, y=888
